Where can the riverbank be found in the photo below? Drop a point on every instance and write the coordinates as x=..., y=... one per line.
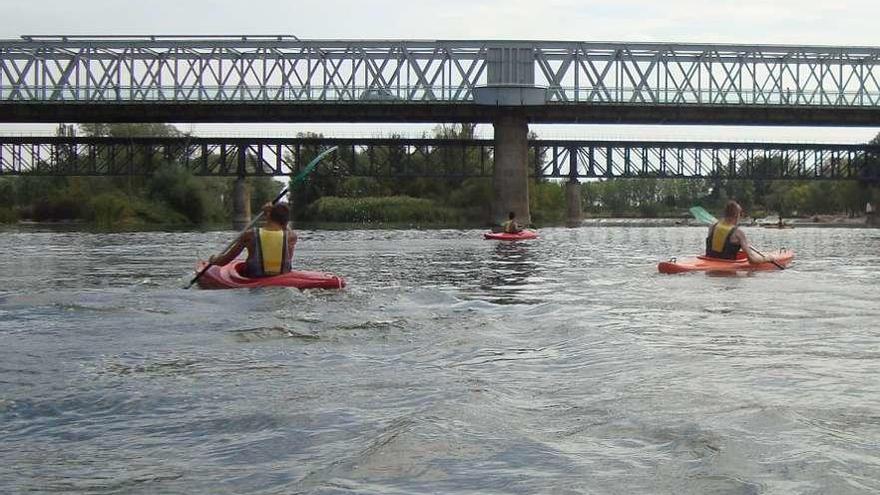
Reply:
x=818, y=221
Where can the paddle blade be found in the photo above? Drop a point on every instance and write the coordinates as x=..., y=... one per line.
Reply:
x=312, y=164
x=702, y=215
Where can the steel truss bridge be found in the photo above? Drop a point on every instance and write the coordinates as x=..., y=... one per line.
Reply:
x=438, y=158
x=283, y=78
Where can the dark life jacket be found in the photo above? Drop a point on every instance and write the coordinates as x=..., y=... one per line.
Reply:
x=718, y=243
x=270, y=255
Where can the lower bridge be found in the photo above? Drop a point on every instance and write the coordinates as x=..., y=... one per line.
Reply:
x=441, y=158
x=571, y=161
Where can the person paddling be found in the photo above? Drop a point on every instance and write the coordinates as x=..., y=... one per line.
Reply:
x=726, y=239
x=511, y=226
x=270, y=248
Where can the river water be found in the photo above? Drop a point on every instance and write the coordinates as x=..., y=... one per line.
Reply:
x=449, y=364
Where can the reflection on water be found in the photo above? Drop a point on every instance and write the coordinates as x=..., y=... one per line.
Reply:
x=507, y=278
x=450, y=364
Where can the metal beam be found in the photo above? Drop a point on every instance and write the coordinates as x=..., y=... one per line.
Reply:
x=439, y=158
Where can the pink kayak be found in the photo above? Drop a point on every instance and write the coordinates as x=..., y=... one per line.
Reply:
x=230, y=277
x=707, y=264
x=519, y=236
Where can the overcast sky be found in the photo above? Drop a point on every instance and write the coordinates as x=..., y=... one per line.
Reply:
x=797, y=22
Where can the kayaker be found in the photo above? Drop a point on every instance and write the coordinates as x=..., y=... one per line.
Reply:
x=726, y=239
x=511, y=226
x=270, y=248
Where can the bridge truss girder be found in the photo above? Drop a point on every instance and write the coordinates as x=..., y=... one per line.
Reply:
x=438, y=158
x=284, y=69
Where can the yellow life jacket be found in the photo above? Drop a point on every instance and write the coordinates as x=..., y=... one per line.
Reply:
x=271, y=255
x=718, y=243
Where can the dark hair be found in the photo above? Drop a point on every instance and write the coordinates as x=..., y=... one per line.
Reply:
x=280, y=214
x=511, y=215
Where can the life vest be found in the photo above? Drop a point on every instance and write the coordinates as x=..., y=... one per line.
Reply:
x=270, y=255
x=718, y=243
x=509, y=227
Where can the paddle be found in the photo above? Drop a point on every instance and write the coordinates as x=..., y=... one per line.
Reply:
x=705, y=217
x=296, y=180
x=702, y=215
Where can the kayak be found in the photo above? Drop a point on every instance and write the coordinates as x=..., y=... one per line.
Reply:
x=229, y=277
x=707, y=264
x=504, y=236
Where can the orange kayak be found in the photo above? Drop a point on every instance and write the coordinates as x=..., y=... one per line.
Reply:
x=503, y=236
x=230, y=277
x=708, y=264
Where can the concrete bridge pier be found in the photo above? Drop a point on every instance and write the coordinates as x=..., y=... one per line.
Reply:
x=573, y=203
x=241, y=204
x=510, y=178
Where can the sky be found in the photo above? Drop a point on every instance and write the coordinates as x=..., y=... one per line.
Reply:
x=794, y=22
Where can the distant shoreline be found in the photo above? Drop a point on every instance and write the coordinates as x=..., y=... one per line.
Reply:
x=820, y=221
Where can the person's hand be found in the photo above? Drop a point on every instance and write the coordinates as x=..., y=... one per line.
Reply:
x=212, y=259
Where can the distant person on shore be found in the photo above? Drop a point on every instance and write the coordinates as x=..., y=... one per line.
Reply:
x=726, y=239
x=511, y=226
x=270, y=248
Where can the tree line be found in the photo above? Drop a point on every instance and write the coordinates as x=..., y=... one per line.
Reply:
x=170, y=194
x=659, y=197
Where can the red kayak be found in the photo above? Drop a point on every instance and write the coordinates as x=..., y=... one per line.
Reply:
x=230, y=277
x=504, y=236
x=708, y=264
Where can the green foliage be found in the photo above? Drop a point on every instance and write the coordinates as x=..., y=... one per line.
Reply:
x=645, y=197
x=262, y=190
x=181, y=191
x=547, y=202
x=61, y=206
x=109, y=209
x=390, y=209
x=354, y=187
x=129, y=130
x=164, y=191
x=7, y=192
x=8, y=215
x=474, y=197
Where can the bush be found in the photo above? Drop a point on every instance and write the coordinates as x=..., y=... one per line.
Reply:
x=372, y=209
x=181, y=191
x=547, y=202
x=110, y=209
x=8, y=215
x=58, y=208
x=7, y=193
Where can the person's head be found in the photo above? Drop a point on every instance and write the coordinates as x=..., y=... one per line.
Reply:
x=280, y=214
x=511, y=216
x=732, y=211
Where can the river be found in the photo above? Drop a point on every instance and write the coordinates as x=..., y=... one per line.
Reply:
x=449, y=364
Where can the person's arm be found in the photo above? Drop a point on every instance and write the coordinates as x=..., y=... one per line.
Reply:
x=291, y=242
x=754, y=257
x=233, y=251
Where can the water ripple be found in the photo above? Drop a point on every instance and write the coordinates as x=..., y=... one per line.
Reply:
x=449, y=364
